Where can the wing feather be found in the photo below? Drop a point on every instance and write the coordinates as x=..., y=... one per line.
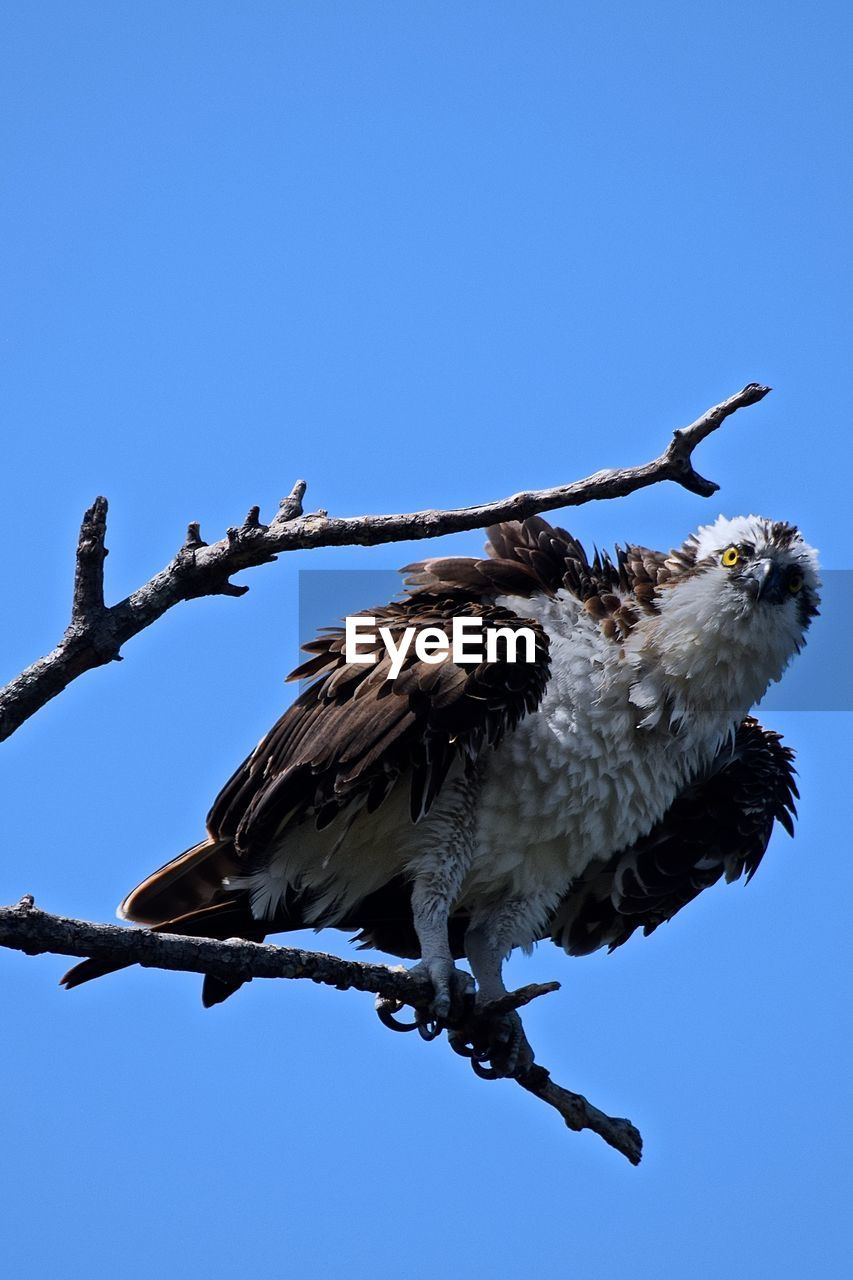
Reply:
x=352, y=734
x=719, y=827
x=531, y=557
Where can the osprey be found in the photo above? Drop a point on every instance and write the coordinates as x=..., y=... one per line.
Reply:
x=462, y=810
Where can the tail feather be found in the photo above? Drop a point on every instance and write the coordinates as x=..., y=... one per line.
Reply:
x=188, y=883
x=228, y=919
x=195, y=895
x=86, y=970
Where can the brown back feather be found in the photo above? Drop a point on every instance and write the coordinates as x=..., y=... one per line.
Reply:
x=352, y=734
x=532, y=557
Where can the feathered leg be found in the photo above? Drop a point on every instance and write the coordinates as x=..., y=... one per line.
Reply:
x=437, y=882
x=489, y=939
x=434, y=893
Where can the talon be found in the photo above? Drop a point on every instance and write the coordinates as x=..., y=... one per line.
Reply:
x=386, y=1009
x=459, y=1044
x=484, y=1072
x=504, y=1047
x=453, y=993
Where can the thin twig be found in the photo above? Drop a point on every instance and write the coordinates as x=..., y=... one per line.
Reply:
x=25, y=928
x=97, y=633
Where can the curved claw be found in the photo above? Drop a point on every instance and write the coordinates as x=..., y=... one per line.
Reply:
x=429, y=1028
x=385, y=1011
x=460, y=1045
x=485, y=1073
x=500, y=1048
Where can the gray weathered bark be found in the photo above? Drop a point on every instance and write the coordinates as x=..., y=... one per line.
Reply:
x=97, y=631
x=25, y=928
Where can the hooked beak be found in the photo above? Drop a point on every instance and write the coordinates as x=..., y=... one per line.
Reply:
x=765, y=581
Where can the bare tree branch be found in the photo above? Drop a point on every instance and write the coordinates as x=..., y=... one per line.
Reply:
x=97, y=632
x=25, y=928
x=580, y=1114
x=87, y=606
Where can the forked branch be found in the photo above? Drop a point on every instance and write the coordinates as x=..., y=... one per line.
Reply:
x=97, y=632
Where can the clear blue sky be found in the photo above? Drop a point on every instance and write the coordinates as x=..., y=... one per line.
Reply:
x=421, y=254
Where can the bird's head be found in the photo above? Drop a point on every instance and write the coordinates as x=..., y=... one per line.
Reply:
x=739, y=598
x=758, y=569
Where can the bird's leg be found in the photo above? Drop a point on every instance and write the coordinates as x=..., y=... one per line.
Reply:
x=434, y=891
x=507, y=1048
x=438, y=877
x=489, y=940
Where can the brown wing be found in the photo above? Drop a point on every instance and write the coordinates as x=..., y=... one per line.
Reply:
x=353, y=733
x=533, y=557
x=719, y=826
x=345, y=741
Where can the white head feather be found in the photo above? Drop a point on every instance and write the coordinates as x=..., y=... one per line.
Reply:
x=727, y=531
x=712, y=650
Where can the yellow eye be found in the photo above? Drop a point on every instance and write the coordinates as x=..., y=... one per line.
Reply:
x=795, y=583
x=730, y=557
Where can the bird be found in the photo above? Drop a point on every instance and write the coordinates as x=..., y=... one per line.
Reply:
x=578, y=788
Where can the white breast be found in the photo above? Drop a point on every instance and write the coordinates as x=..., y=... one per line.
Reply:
x=579, y=779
